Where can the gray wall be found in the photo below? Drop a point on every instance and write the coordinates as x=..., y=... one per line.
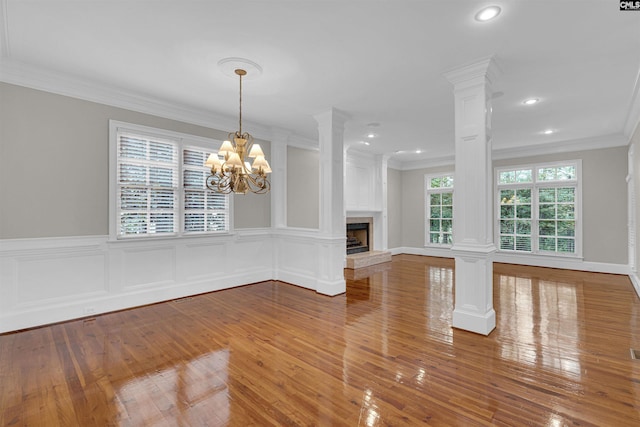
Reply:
x=54, y=167
x=635, y=142
x=604, y=200
x=394, y=208
x=303, y=188
x=253, y=210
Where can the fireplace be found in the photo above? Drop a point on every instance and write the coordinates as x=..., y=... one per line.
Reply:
x=359, y=235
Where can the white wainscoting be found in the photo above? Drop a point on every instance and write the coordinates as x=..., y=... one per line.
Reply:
x=309, y=259
x=50, y=280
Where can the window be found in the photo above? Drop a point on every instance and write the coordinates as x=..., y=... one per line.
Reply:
x=204, y=210
x=439, y=209
x=147, y=185
x=538, y=209
x=159, y=184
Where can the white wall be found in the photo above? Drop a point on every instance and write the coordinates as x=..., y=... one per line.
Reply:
x=363, y=193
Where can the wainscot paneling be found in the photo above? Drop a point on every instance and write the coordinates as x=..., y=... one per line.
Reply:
x=149, y=267
x=79, y=274
x=311, y=260
x=55, y=279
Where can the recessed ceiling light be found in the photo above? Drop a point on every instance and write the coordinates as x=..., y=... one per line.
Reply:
x=531, y=101
x=371, y=135
x=365, y=142
x=418, y=151
x=488, y=13
x=548, y=131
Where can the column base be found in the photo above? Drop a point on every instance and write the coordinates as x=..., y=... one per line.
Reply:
x=474, y=322
x=331, y=288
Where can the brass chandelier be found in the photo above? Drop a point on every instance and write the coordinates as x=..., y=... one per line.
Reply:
x=233, y=173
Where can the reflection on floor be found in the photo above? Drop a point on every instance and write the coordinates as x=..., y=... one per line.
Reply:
x=382, y=354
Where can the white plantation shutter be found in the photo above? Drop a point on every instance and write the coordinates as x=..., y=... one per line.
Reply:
x=204, y=210
x=147, y=175
x=539, y=209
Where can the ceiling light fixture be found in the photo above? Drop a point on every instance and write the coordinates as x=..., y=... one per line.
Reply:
x=371, y=135
x=531, y=101
x=234, y=174
x=548, y=131
x=488, y=13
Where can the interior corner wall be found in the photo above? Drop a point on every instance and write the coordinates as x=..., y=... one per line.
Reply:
x=303, y=188
x=394, y=208
x=54, y=168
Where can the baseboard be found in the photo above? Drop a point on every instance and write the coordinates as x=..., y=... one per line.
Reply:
x=25, y=317
x=635, y=281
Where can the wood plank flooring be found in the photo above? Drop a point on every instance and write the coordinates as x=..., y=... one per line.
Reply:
x=272, y=354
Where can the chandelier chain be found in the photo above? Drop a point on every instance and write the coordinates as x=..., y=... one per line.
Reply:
x=240, y=115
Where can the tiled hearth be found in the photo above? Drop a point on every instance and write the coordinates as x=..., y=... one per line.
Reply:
x=367, y=259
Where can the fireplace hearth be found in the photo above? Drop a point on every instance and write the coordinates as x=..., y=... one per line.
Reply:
x=361, y=251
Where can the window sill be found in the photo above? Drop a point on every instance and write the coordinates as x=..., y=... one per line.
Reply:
x=169, y=238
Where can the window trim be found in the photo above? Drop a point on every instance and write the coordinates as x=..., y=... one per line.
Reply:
x=183, y=141
x=535, y=185
x=427, y=216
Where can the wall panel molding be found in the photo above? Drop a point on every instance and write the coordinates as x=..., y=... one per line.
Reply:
x=48, y=280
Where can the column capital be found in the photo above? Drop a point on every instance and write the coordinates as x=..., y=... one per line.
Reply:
x=486, y=68
x=334, y=116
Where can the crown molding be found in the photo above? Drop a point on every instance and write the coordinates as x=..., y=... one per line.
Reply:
x=20, y=74
x=427, y=163
x=581, y=144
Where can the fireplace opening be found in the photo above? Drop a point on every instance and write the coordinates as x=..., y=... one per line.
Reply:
x=357, y=238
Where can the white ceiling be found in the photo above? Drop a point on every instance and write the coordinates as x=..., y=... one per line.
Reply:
x=377, y=61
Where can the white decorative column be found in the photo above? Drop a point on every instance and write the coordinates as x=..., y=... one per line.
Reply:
x=473, y=245
x=382, y=162
x=278, y=163
x=332, y=212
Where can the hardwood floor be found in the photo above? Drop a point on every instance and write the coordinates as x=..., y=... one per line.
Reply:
x=383, y=354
